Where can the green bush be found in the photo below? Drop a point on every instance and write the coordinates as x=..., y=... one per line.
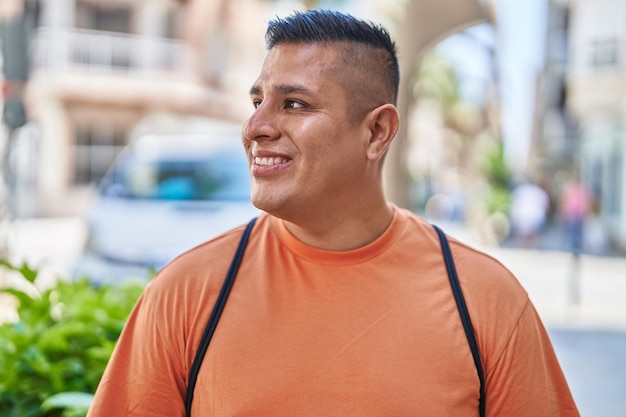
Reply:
x=57, y=351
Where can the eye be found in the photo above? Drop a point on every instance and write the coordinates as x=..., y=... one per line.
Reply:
x=294, y=104
x=256, y=103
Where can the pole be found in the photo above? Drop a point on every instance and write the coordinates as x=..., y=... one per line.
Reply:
x=15, y=26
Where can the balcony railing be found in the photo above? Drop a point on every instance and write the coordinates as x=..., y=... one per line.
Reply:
x=64, y=48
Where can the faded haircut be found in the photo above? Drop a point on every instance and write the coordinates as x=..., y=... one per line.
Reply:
x=378, y=57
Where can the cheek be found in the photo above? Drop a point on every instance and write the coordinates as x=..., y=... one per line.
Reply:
x=327, y=142
x=312, y=139
x=341, y=159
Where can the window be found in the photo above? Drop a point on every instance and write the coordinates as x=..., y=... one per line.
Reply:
x=94, y=151
x=102, y=17
x=604, y=53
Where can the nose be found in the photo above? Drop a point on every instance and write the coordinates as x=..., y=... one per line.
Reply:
x=261, y=125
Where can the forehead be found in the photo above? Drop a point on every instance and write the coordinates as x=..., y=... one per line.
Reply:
x=315, y=65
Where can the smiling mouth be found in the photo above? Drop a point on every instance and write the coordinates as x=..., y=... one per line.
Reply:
x=269, y=161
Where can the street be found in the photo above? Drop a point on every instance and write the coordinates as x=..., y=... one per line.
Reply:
x=594, y=362
x=582, y=302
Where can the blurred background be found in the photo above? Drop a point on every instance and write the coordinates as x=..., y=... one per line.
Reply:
x=513, y=135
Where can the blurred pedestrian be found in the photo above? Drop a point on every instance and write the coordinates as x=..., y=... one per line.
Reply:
x=343, y=304
x=529, y=209
x=575, y=205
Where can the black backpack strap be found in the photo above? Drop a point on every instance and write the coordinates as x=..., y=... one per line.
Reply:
x=463, y=312
x=215, y=315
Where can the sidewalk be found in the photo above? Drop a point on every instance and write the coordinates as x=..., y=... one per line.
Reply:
x=585, y=293
x=49, y=244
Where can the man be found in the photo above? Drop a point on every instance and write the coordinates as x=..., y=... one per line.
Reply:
x=342, y=304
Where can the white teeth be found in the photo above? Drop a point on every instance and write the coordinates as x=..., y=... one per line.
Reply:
x=269, y=161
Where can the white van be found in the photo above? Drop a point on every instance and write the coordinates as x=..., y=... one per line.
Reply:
x=164, y=195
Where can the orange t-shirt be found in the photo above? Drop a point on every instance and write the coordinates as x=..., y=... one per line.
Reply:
x=308, y=332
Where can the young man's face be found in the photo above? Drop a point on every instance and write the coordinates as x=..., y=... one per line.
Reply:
x=306, y=154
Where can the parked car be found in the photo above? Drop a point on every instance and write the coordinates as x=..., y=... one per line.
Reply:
x=164, y=195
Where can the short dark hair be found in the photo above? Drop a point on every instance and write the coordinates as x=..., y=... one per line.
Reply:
x=321, y=25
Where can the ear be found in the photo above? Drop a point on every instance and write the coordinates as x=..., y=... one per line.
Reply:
x=384, y=122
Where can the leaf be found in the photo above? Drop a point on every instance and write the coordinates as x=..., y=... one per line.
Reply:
x=23, y=298
x=60, y=344
x=7, y=264
x=67, y=400
x=27, y=272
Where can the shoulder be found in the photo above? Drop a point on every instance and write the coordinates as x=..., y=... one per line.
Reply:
x=477, y=270
x=195, y=276
x=483, y=274
x=496, y=301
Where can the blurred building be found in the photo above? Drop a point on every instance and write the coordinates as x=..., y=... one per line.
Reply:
x=583, y=110
x=556, y=140
x=98, y=67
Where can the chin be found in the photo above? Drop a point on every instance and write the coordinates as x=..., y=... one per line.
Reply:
x=270, y=205
x=276, y=208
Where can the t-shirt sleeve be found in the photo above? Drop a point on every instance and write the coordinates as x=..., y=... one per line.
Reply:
x=527, y=380
x=145, y=376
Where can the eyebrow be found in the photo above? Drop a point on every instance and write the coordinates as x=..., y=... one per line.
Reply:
x=284, y=89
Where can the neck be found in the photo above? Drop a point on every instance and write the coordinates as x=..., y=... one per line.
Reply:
x=343, y=230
